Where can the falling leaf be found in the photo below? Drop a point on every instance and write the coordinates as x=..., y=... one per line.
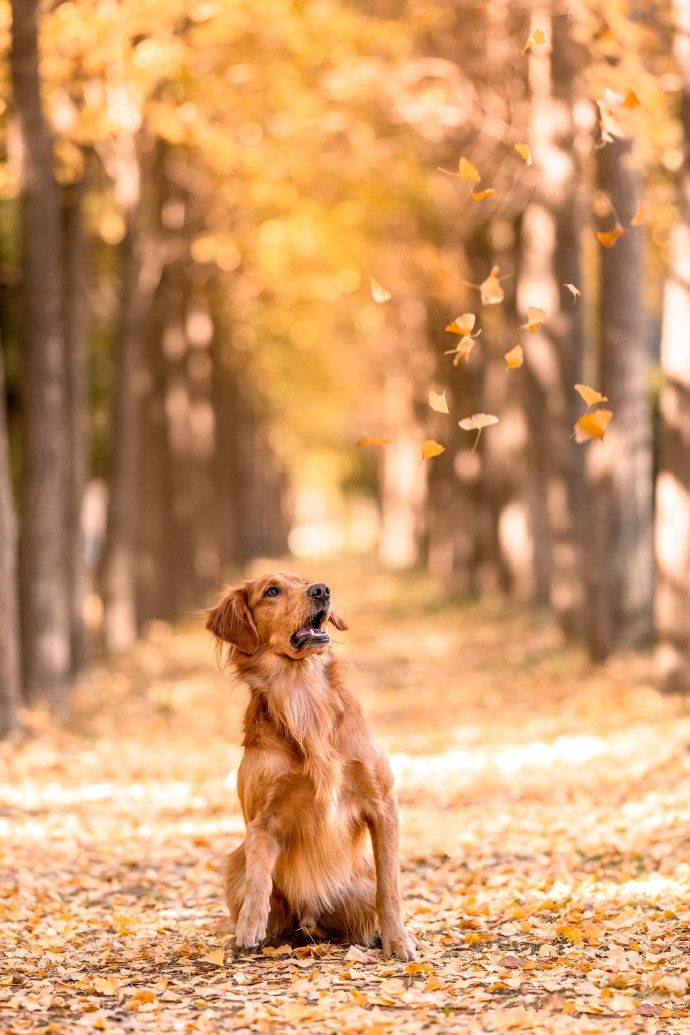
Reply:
x=462, y=350
x=430, y=449
x=468, y=172
x=477, y=422
x=638, y=218
x=525, y=153
x=514, y=357
x=574, y=291
x=592, y=425
x=608, y=125
x=370, y=440
x=491, y=290
x=609, y=237
x=536, y=39
x=378, y=292
x=216, y=957
x=590, y=395
x=631, y=100
x=462, y=324
x=535, y=319
x=482, y=195
x=438, y=401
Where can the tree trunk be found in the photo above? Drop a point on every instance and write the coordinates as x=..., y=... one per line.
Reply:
x=45, y=514
x=10, y=673
x=619, y=562
x=403, y=479
x=673, y=486
x=549, y=258
x=141, y=270
x=78, y=409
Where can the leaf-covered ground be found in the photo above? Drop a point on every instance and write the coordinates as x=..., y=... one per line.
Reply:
x=545, y=836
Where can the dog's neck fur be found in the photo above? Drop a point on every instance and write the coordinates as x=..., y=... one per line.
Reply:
x=302, y=703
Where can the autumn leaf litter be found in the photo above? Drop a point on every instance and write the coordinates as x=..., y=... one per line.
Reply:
x=545, y=823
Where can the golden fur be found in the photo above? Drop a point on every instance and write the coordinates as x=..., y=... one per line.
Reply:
x=312, y=780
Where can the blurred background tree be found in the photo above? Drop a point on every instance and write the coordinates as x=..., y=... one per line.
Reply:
x=194, y=199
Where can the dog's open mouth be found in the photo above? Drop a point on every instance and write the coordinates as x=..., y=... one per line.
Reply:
x=311, y=634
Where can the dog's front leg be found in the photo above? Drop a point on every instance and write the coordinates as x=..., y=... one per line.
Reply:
x=383, y=827
x=261, y=853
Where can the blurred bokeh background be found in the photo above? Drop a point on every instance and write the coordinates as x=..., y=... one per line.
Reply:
x=194, y=199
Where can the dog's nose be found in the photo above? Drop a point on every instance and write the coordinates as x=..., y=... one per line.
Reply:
x=319, y=591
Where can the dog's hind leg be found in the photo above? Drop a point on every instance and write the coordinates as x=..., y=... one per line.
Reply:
x=354, y=918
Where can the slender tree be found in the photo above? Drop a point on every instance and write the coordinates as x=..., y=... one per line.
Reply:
x=75, y=327
x=141, y=271
x=619, y=560
x=44, y=503
x=10, y=675
x=673, y=485
x=549, y=258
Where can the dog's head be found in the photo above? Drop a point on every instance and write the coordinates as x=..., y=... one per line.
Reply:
x=280, y=613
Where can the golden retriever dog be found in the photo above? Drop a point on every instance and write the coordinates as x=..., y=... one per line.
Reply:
x=312, y=780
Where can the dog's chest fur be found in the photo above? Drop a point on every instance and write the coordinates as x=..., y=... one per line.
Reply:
x=294, y=762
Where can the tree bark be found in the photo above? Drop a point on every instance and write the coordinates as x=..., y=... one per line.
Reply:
x=672, y=531
x=76, y=347
x=549, y=259
x=10, y=670
x=619, y=561
x=44, y=504
x=403, y=479
x=141, y=270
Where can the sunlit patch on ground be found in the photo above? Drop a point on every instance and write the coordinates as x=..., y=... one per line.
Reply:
x=545, y=830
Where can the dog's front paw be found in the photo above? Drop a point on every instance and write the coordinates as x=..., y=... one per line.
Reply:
x=397, y=942
x=251, y=929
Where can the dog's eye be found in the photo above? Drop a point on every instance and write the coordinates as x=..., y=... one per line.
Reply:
x=272, y=591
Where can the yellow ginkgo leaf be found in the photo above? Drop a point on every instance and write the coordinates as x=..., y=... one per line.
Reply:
x=462, y=350
x=590, y=395
x=378, y=292
x=592, y=425
x=216, y=957
x=477, y=422
x=463, y=324
x=430, y=449
x=370, y=440
x=491, y=290
x=608, y=124
x=574, y=291
x=525, y=153
x=638, y=218
x=609, y=237
x=482, y=195
x=631, y=100
x=438, y=401
x=536, y=39
x=468, y=172
x=106, y=986
x=535, y=319
x=514, y=358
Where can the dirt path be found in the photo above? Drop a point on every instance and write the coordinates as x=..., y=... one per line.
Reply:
x=545, y=834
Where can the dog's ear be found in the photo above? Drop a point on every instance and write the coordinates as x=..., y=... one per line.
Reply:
x=337, y=621
x=232, y=622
